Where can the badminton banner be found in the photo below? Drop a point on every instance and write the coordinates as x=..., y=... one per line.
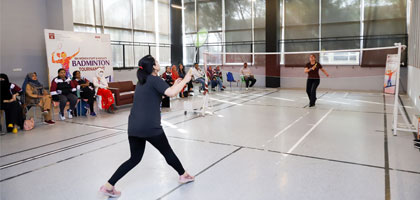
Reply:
x=73, y=51
x=392, y=64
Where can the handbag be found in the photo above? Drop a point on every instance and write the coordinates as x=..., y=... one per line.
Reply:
x=29, y=124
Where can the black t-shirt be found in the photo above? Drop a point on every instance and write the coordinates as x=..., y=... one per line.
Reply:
x=313, y=74
x=144, y=119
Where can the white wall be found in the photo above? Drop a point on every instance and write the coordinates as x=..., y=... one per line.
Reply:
x=342, y=78
x=414, y=85
x=126, y=75
x=22, y=35
x=413, y=53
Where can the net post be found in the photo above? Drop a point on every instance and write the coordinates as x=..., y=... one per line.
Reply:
x=205, y=65
x=397, y=87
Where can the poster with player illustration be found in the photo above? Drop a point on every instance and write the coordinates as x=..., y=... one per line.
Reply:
x=85, y=52
x=391, y=70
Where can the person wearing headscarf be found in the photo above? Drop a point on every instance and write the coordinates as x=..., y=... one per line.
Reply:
x=35, y=94
x=62, y=90
x=174, y=71
x=10, y=104
x=175, y=76
x=86, y=88
x=102, y=89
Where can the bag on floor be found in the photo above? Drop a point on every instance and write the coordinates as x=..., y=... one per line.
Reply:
x=29, y=124
x=81, y=108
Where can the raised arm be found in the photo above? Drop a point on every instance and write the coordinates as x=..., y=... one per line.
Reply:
x=75, y=53
x=52, y=55
x=178, y=85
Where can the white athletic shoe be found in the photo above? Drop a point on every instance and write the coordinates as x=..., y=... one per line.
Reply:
x=62, y=116
x=70, y=115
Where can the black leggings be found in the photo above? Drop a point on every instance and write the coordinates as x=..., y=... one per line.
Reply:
x=311, y=85
x=14, y=114
x=137, y=146
x=89, y=95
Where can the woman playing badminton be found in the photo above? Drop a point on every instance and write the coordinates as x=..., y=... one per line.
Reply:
x=144, y=122
x=312, y=69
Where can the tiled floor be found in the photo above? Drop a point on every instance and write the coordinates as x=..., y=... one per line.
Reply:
x=258, y=144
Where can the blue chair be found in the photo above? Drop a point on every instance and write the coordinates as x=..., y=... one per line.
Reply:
x=231, y=79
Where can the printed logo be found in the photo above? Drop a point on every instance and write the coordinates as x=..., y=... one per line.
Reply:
x=51, y=36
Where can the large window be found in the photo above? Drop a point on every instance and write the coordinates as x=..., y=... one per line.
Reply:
x=136, y=27
x=232, y=26
x=306, y=25
x=383, y=17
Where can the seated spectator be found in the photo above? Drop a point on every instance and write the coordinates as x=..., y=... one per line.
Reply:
x=248, y=76
x=211, y=79
x=35, y=94
x=219, y=77
x=167, y=77
x=10, y=104
x=174, y=72
x=199, y=77
x=102, y=89
x=175, y=76
x=62, y=90
x=87, y=90
x=181, y=73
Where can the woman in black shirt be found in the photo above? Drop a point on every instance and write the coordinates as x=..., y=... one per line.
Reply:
x=144, y=122
x=87, y=90
x=312, y=69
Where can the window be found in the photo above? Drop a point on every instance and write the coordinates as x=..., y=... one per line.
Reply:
x=340, y=58
x=135, y=27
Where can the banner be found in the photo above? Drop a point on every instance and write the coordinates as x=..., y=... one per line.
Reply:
x=392, y=64
x=86, y=52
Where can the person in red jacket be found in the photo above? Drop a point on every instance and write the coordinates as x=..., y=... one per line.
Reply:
x=62, y=90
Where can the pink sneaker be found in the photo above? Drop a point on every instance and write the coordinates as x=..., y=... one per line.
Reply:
x=186, y=178
x=111, y=193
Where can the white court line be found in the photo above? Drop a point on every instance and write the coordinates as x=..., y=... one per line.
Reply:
x=339, y=102
x=168, y=124
x=285, y=129
x=306, y=134
x=370, y=102
x=284, y=99
x=260, y=95
x=345, y=95
x=223, y=101
x=290, y=125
